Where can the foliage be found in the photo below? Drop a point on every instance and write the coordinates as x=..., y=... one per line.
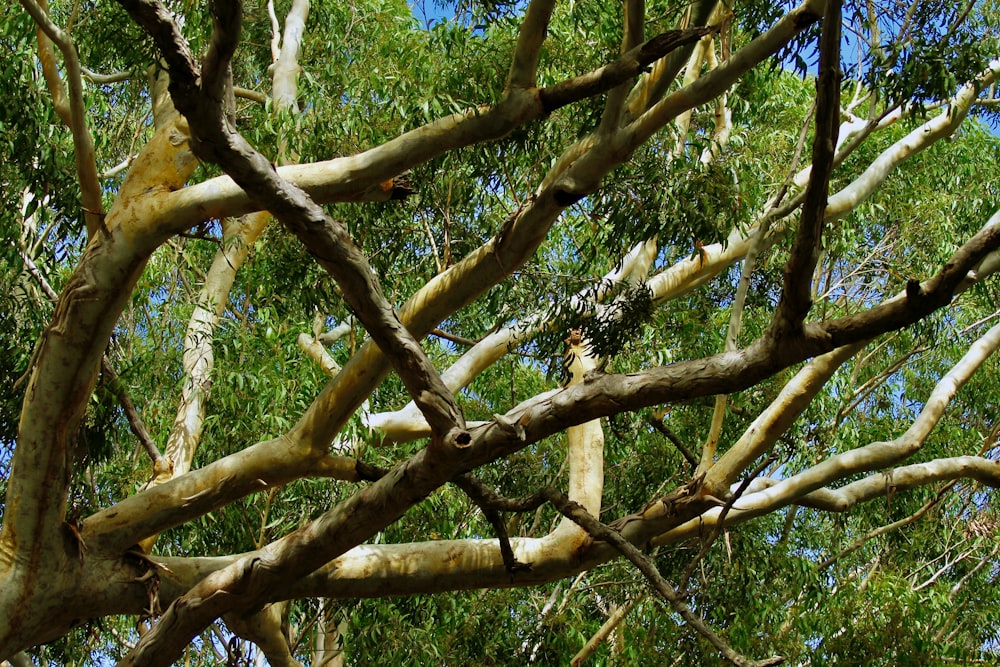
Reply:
x=814, y=586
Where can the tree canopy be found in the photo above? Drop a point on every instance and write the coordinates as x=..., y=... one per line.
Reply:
x=499, y=333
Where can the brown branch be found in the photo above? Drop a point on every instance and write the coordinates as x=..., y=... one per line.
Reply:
x=543, y=416
x=717, y=531
x=621, y=70
x=920, y=299
x=600, y=531
x=672, y=437
x=795, y=301
x=134, y=419
x=490, y=503
x=453, y=338
x=201, y=100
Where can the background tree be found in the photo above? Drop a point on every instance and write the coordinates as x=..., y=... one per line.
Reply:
x=343, y=331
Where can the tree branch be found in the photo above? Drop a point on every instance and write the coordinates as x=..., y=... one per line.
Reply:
x=490, y=504
x=599, y=531
x=104, y=79
x=524, y=65
x=201, y=99
x=74, y=113
x=132, y=415
x=135, y=421
x=664, y=71
x=621, y=70
x=535, y=418
x=658, y=424
x=904, y=478
x=809, y=483
x=795, y=300
x=881, y=530
x=633, y=34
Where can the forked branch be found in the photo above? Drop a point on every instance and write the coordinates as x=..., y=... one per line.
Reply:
x=199, y=94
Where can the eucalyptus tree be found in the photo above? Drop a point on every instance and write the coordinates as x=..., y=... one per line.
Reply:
x=343, y=331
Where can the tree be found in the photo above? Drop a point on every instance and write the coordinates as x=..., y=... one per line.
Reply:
x=406, y=325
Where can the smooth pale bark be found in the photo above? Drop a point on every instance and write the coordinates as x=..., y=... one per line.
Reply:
x=941, y=126
x=316, y=351
x=238, y=237
x=880, y=455
x=65, y=369
x=302, y=452
x=692, y=71
x=610, y=625
x=777, y=418
x=442, y=296
x=73, y=110
x=264, y=629
x=407, y=424
x=652, y=87
x=368, y=176
x=584, y=442
x=778, y=494
x=458, y=564
x=34, y=542
x=524, y=64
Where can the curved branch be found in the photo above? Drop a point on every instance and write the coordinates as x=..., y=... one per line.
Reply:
x=362, y=177
x=104, y=79
x=535, y=419
x=774, y=494
x=74, y=114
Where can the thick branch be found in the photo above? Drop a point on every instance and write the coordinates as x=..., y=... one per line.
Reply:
x=201, y=100
x=135, y=421
x=767, y=495
x=362, y=176
x=541, y=416
x=795, y=298
x=772, y=423
x=524, y=66
x=284, y=90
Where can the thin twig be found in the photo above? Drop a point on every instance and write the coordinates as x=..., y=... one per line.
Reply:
x=599, y=531
x=721, y=525
x=672, y=437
